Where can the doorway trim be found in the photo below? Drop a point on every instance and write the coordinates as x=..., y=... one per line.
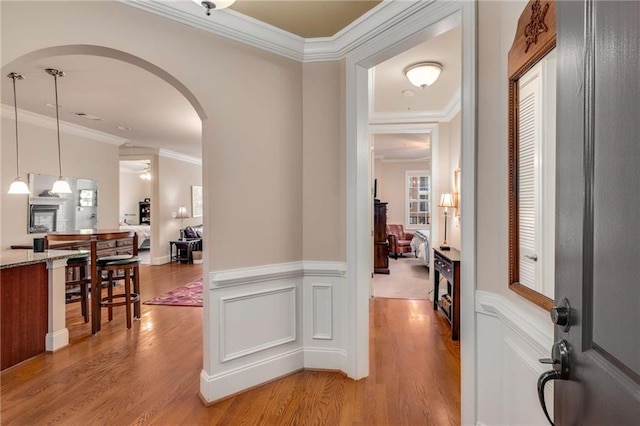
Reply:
x=426, y=21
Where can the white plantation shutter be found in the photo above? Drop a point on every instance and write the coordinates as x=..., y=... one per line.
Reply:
x=529, y=135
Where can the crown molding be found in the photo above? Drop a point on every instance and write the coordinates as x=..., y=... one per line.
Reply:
x=180, y=157
x=43, y=121
x=446, y=114
x=238, y=27
x=227, y=23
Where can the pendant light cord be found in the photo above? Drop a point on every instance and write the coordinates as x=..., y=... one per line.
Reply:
x=55, y=82
x=14, y=77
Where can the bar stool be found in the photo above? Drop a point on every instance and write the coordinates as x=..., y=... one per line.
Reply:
x=129, y=266
x=77, y=281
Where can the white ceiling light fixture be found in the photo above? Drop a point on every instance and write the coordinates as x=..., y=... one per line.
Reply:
x=210, y=5
x=61, y=186
x=18, y=186
x=423, y=74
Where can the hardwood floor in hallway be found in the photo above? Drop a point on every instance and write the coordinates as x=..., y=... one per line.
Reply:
x=150, y=374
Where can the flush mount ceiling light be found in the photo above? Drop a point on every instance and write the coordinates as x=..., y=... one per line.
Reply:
x=423, y=74
x=18, y=186
x=61, y=186
x=210, y=5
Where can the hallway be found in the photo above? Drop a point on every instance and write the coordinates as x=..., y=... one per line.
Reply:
x=150, y=375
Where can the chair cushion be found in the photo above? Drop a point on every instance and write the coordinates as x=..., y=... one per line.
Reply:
x=118, y=260
x=77, y=260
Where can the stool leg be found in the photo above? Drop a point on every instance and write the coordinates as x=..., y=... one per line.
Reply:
x=127, y=294
x=84, y=296
x=110, y=294
x=136, y=290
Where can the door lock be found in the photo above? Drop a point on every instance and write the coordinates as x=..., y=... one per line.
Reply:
x=560, y=361
x=561, y=314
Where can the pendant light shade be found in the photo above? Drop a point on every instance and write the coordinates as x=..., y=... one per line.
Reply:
x=18, y=186
x=61, y=186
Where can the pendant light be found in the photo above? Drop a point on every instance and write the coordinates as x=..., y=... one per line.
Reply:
x=61, y=186
x=18, y=186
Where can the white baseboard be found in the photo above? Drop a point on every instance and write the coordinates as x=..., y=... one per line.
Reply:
x=224, y=384
x=57, y=340
x=325, y=359
x=161, y=260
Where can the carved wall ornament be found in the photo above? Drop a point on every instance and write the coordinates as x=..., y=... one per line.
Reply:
x=536, y=26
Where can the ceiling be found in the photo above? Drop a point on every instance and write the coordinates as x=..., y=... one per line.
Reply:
x=131, y=103
x=306, y=18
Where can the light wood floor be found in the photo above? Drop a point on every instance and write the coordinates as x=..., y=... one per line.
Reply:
x=150, y=374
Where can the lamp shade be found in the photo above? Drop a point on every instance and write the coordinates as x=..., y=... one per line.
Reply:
x=19, y=186
x=423, y=74
x=61, y=186
x=182, y=213
x=446, y=200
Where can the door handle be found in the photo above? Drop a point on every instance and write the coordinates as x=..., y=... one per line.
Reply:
x=560, y=361
x=533, y=257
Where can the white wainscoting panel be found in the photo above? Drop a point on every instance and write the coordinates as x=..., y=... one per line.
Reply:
x=323, y=303
x=254, y=322
x=322, y=311
x=269, y=321
x=511, y=339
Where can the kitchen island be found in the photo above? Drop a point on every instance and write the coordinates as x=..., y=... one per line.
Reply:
x=32, y=303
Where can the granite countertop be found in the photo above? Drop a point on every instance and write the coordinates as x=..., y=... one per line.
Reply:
x=23, y=257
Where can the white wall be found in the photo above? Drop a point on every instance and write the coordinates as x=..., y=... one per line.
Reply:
x=511, y=332
x=392, y=188
x=81, y=157
x=133, y=189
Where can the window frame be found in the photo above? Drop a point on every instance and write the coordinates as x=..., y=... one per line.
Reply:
x=407, y=200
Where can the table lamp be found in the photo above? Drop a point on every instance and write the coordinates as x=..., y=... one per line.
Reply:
x=182, y=215
x=446, y=201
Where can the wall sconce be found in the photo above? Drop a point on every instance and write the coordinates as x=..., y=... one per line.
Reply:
x=182, y=215
x=61, y=186
x=18, y=186
x=446, y=201
x=423, y=74
x=210, y=5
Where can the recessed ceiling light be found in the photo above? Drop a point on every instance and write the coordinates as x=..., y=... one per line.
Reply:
x=408, y=93
x=124, y=127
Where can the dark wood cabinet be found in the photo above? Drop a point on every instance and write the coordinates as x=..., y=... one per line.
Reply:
x=380, y=243
x=145, y=213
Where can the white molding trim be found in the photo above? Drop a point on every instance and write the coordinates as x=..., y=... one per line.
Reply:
x=324, y=269
x=56, y=340
x=255, y=274
x=236, y=26
x=224, y=301
x=531, y=329
x=43, y=121
x=161, y=260
x=220, y=385
x=325, y=358
x=316, y=334
x=180, y=157
x=444, y=115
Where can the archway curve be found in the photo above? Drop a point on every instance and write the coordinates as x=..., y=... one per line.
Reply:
x=107, y=52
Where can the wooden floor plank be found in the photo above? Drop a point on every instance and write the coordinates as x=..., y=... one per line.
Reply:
x=150, y=374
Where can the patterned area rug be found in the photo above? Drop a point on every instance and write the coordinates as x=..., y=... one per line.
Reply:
x=188, y=295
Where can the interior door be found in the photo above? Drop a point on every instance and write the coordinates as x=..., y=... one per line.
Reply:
x=598, y=204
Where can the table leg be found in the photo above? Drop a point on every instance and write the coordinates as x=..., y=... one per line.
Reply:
x=436, y=280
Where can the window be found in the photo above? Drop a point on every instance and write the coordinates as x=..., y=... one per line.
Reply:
x=418, y=199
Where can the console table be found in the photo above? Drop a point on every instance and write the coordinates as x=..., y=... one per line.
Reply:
x=447, y=263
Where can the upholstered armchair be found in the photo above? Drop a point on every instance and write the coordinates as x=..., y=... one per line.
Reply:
x=399, y=241
x=193, y=233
